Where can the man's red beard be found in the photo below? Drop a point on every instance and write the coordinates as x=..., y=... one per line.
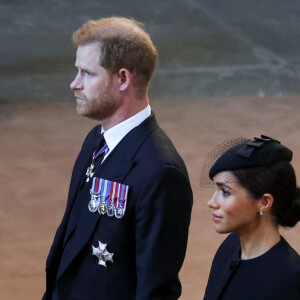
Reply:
x=100, y=108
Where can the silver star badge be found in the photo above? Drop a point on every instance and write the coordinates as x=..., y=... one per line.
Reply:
x=102, y=254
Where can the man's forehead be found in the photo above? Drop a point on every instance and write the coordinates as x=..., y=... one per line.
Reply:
x=88, y=54
x=87, y=57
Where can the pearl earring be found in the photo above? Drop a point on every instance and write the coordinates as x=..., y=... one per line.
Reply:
x=261, y=213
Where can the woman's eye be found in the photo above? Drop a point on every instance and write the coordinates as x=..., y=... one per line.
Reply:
x=225, y=193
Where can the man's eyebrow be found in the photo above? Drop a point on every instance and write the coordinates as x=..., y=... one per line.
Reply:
x=83, y=69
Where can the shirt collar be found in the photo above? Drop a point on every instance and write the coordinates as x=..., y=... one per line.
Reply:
x=115, y=134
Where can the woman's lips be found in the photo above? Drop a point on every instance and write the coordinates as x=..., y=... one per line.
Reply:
x=216, y=217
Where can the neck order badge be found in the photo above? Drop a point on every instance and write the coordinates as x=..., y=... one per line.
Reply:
x=108, y=197
x=89, y=172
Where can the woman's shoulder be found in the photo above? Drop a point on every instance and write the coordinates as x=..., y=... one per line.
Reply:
x=287, y=255
x=283, y=265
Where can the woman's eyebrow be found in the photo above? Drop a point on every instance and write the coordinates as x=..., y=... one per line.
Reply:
x=222, y=184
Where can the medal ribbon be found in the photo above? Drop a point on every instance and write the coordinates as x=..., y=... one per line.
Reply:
x=89, y=172
x=102, y=188
x=118, y=194
x=105, y=190
x=112, y=193
x=97, y=182
x=102, y=150
x=123, y=197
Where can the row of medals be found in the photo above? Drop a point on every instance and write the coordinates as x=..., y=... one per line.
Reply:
x=96, y=205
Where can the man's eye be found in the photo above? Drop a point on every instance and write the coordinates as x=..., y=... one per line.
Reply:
x=85, y=73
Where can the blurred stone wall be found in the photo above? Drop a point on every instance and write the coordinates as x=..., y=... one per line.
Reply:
x=207, y=48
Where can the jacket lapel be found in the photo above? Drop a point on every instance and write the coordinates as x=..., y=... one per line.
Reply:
x=115, y=168
x=78, y=173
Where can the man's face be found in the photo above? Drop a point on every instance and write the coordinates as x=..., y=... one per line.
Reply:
x=93, y=85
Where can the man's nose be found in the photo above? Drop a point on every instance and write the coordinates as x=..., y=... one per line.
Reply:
x=76, y=84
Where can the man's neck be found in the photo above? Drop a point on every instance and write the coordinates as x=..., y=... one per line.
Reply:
x=125, y=112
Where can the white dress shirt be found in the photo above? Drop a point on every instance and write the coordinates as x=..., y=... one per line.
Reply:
x=114, y=135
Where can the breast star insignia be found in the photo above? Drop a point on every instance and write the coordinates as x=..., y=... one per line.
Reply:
x=102, y=254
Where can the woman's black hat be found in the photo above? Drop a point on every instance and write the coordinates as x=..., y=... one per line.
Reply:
x=251, y=153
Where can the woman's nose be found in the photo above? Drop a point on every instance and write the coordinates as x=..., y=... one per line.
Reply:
x=213, y=202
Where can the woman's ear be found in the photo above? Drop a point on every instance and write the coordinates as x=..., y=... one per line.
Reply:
x=265, y=203
x=124, y=79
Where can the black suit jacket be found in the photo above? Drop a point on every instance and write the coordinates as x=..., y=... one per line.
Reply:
x=149, y=242
x=275, y=275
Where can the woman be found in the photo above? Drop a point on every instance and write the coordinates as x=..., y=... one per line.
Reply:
x=255, y=193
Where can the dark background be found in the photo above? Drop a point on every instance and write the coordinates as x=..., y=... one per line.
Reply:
x=207, y=48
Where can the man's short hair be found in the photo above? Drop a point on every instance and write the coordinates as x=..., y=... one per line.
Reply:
x=123, y=44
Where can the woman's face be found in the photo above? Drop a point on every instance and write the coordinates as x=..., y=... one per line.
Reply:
x=233, y=210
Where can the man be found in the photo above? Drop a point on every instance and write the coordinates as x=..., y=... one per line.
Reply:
x=125, y=229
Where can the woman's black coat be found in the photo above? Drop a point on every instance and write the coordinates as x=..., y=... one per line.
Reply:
x=274, y=275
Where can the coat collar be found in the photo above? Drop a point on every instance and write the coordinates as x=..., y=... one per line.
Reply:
x=226, y=262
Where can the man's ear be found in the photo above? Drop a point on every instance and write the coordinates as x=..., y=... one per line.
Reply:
x=265, y=203
x=124, y=79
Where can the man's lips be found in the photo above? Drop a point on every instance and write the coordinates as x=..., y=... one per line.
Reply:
x=216, y=217
x=78, y=99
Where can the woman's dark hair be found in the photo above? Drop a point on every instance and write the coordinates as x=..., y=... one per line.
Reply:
x=279, y=180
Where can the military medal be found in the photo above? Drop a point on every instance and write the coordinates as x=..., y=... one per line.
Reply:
x=102, y=208
x=102, y=254
x=111, y=206
x=89, y=172
x=108, y=197
x=121, y=201
x=111, y=210
x=118, y=209
x=119, y=213
x=95, y=195
x=93, y=205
